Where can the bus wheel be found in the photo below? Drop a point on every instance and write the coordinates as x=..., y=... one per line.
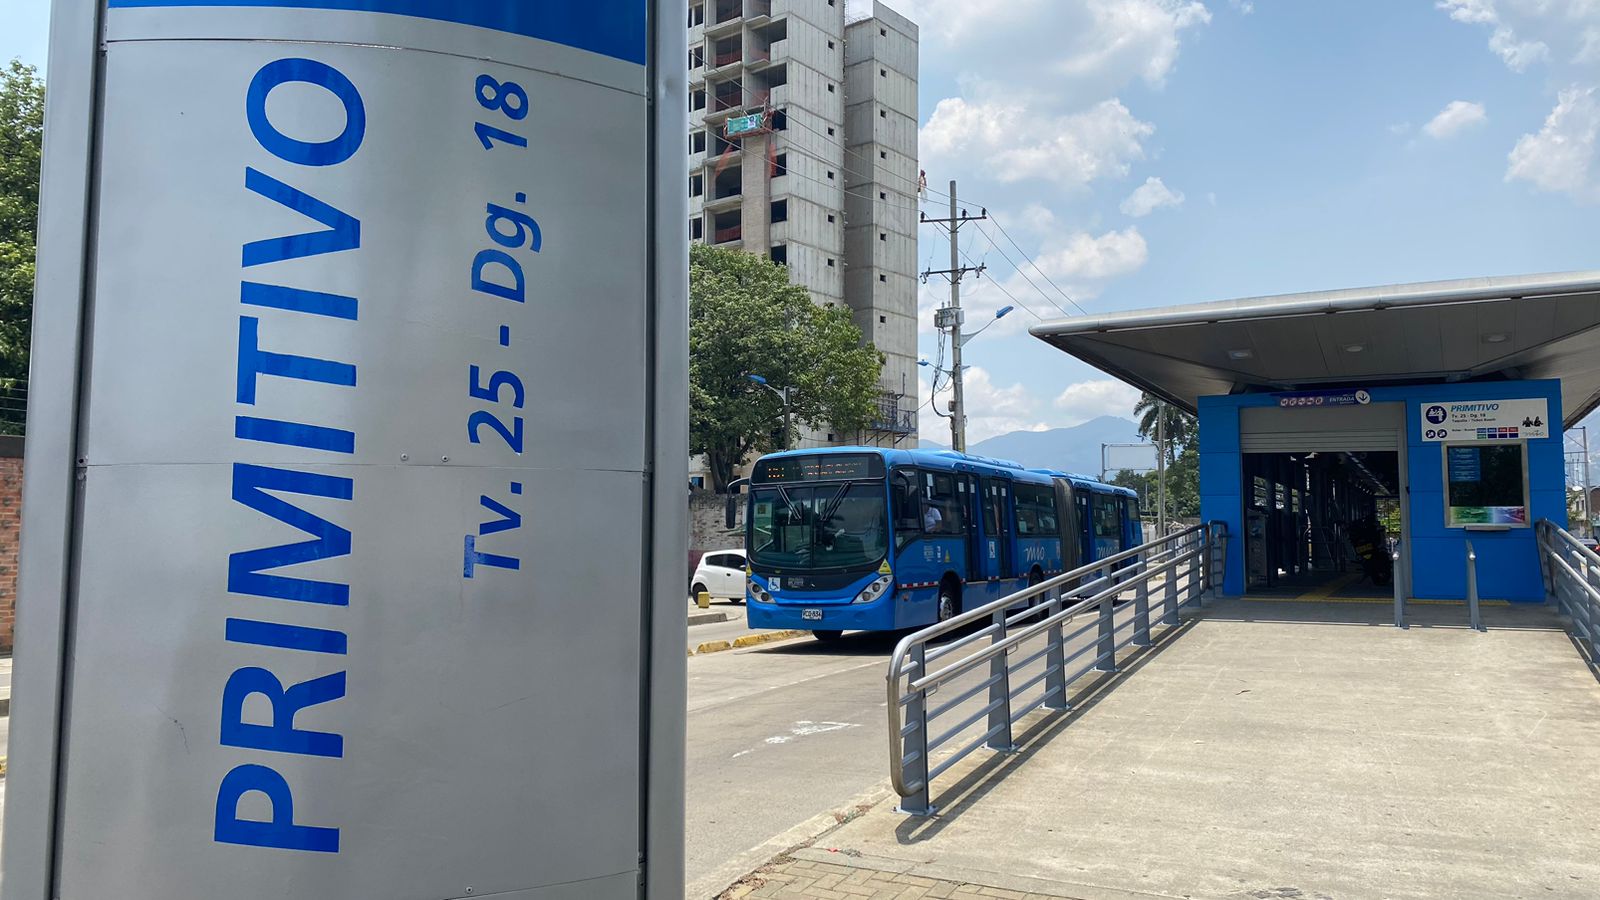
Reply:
x=949, y=603
x=828, y=636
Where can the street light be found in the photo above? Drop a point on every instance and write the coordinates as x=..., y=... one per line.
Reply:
x=999, y=314
x=785, y=395
x=958, y=410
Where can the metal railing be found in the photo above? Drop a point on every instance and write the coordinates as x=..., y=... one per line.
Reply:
x=1572, y=577
x=1027, y=640
x=13, y=405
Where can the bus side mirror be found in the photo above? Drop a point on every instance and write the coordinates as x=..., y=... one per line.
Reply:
x=730, y=516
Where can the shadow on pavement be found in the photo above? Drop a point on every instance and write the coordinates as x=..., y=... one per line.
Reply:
x=1085, y=694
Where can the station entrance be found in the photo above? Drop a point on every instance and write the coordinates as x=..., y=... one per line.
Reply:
x=1324, y=500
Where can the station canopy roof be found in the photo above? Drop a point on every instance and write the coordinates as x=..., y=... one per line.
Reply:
x=1479, y=329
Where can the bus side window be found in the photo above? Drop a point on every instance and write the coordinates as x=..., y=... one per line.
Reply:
x=907, y=507
x=941, y=507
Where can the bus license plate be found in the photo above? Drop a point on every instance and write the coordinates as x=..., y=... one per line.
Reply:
x=811, y=615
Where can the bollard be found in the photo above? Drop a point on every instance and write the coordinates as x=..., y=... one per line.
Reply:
x=1399, y=591
x=703, y=600
x=1472, y=588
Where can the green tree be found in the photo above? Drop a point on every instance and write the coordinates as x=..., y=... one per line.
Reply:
x=1183, y=458
x=1182, y=428
x=745, y=318
x=21, y=136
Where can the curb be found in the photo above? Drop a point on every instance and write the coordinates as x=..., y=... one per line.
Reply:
x=706, y=618
x=738, y=877
x=749, y=640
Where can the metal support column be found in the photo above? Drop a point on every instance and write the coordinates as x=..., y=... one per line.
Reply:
x=1141, y=609
x=1107, y=651
x=914, y=734
x=1055, y=679
x=1000, y=690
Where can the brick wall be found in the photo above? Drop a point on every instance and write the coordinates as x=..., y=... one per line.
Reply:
x=10, y=528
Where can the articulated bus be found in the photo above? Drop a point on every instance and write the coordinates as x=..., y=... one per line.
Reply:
x=868, y=539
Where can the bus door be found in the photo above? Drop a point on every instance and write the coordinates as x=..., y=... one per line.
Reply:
x=995, y=497
x=1068, y=517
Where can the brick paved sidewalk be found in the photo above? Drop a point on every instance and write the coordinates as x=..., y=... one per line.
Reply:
x=799, y=879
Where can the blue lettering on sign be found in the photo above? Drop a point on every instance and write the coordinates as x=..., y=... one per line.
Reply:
x=270, y=419
x=511, y=229
x=306, y=153
x=280, y=832
x=615, y=28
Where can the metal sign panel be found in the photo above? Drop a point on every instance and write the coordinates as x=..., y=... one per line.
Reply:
x=1485, y=420
x=1127, y=457
x=364, y=529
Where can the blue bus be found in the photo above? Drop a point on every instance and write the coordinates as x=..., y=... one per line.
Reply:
x=869, y=539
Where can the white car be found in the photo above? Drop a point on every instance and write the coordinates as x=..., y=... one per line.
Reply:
x=720, y=574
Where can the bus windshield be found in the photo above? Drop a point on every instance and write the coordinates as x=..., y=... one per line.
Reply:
x=819, y=526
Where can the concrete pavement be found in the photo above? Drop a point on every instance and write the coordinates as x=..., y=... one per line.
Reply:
x=779, y=737
x=1269, y=751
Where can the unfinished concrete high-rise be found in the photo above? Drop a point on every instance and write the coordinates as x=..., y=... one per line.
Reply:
x=803, y=146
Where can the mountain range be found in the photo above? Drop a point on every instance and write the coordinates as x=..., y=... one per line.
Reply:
x=1075, y=449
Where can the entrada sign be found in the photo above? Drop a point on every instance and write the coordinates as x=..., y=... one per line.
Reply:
x=1324, y=398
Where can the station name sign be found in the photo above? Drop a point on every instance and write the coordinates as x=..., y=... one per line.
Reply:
x=1486, y=420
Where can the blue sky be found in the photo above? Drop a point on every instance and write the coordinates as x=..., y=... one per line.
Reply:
x=1314, y=145
x=1297, y=145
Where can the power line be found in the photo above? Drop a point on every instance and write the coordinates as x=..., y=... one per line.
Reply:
x=1037, y=269
x=1018, y=268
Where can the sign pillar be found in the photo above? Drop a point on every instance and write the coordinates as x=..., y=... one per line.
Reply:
x=353, y=514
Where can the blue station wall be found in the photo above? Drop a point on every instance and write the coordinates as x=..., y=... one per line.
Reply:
x=1508, y=562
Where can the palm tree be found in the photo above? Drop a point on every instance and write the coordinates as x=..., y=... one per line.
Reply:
x=1181, y=427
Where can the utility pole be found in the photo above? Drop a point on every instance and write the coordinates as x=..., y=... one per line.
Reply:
x=951, y=318
x=1161, y=469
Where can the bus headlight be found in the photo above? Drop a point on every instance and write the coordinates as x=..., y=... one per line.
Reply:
x=876, y=589
x=758, y=593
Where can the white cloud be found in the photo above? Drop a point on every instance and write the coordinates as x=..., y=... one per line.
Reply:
x=1517, y=54
x=1015, y=144
x=1054, y=54
x=1245, y=7
x=994, y=409
x=1091, y=399
x=1472, y=12
x=1525, y=32
x=1561, y=157
x=1135, y=35
x=1149, y=197
x=1456, y=117
x=1087, y=257
x=991, y=409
